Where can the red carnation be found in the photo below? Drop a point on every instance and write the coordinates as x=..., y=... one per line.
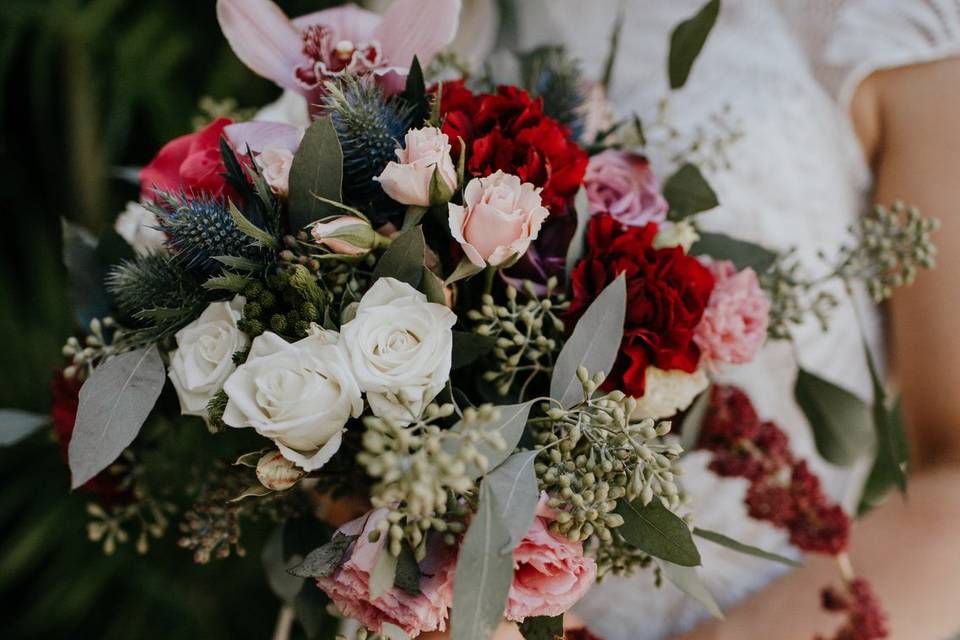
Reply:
x=191, y=163
x=667, y=292
x=508, y=131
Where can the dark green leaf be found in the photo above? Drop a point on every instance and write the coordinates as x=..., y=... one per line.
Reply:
x=323, y=561
x=594, y=344
x=256, y=234
x=840, y=421
x=515, y=484
x=741, y=253
x=432, y=286
x=638, y=128
x=415, y=93
x=730, y=543
x=688, y=193
x=403, y=259
x=114, y=402
x=408, y=571
x=113, y=249
x=656, y=530
x=688, y=580
x=283, y=584
x=317, y=170
x=687, y=41
x=888, y=470
x=542, y=628
x=469, y=347
x=85, y=274
x=15, y=425
x=440, y=191
x=611, y=60
x=310, y=607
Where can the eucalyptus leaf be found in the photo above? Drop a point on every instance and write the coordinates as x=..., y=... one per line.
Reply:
x=432, y=287
x=746, y=549
x=383, y=574
x=741, y=253
x=688, y=193
x=403, y=259
x=468, y=347
x=17, y=425
x=594, y=344
x=542, y=628
x=114, y=403
x=317, y=170
x=581, y=209
x=510, y=422
x=693, y=420
x=514, y=483
x=841, y=422
x=283, y=584
x=687, y=41
x=484, y=574
x=656, y=530
x=407, y=577
x=323, y=561
x=85, y=274
x=688, y=580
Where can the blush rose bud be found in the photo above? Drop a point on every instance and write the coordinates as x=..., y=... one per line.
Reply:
x=410, y=180
x=276, y=472
x=499, y=219
x=347, y=235
x=275, y=162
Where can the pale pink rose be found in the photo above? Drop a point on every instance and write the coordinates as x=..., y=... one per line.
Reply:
x=275, y=162
x=500, y=218
x=550, y=573
x=408, y=180
x=349, y=586
x=345, y=235
x=734, y=324
x=622, y=185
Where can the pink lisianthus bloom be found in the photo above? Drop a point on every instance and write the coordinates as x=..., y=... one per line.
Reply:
x=303, y=53
x=349, y=586
x=550, y=573
x=734, y=324
x=622, y=185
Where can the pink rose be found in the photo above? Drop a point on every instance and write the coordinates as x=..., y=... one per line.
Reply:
x=349, y=586
x=734, y=324
x=346, y=235
x=622, y=184
x=408, y=180
x=550, y=573
x=499, y=219
x=275, y=162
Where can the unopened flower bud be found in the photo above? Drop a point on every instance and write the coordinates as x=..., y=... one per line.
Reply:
x=346, y=235
x=276, y=472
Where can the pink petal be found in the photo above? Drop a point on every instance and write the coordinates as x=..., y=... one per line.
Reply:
x=348, y=22
x=419, y=28
x=263, y=38
x=257, y=135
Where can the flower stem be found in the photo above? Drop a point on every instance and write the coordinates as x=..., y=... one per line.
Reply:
x=281, y=631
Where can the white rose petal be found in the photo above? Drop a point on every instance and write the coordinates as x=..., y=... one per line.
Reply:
x=136, y=224
x=203, y=359
x=400, y=348
x=676, y=234
x=667, y=392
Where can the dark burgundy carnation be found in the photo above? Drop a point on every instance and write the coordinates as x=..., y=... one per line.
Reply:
x=508, y=131
x=667, y=292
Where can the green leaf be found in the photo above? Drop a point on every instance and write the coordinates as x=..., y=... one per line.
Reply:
x=323, y=561
x=468, y=347
x=253, y=491
x=693, y=420
x=638, y=129
x=283, y=584
x=888, y=471
x=611, y=59
x=464, y=269
x=657, y=531
x=440, y=191
x=413, y=216
x=403, y=259
x=317, y=170
x=258, y=235
x=85, y=274
x=687, y=41
x=407, y=577
x=383, y=574
x=840, y=421
x=415, y=93
x=688, y=193
x=741, y=253
x=514, y=483
x=511, y=422
x=240, y=264
x=594, y=344
x=746, y=549
x=432, y=286
x=542, y=628
x=113, y=249
x=227, y=282
x=484, y=573
x=16, y=425
x=688, y=580
x=310, y=607
x=114, y=403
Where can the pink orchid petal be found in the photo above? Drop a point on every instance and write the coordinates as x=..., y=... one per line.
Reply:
x=348, y=22
x=257, y=135
x=419, y=28
x=263, y=38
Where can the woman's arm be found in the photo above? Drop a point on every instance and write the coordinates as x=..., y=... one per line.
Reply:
x=908, y=120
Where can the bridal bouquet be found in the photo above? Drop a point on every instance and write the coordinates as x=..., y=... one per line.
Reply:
x=450, y=319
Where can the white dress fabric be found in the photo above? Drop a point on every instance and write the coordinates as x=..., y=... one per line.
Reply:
x=797, y=178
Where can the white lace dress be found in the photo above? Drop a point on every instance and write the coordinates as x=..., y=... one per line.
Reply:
x=797, y=178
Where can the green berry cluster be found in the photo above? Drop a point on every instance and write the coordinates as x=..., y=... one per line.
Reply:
x=619, y=558
x=285, y=302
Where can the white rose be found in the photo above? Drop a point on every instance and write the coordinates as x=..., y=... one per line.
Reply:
x=666, y=392
x=676, y=234
x=400, y=348
x=203, y=359
x=137, y=225
x=408, y=180
x=275, y=161
x=299, y=395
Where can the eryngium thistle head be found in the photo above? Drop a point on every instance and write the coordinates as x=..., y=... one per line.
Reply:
x=199, y=230
x=370, y=127
x=550, y=73
x=151, y=281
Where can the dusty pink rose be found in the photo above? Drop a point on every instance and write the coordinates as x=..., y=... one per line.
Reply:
x=346, y=235
x=349, y=586
x=622, y=184
x=275, y=162
x=734, y=324
x=408, y=180
x=550, y=573
x=499, y=219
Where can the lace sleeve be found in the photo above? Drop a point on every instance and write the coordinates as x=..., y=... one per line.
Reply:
x=870, y=35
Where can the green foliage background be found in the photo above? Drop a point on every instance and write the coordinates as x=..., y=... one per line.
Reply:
x=88, y=88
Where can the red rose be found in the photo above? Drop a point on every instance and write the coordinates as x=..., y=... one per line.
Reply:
x=667, y=293
x=192, y=163
x=508, y=131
